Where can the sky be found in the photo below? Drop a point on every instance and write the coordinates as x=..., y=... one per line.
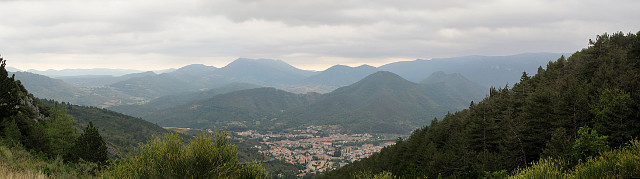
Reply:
x=308, y=34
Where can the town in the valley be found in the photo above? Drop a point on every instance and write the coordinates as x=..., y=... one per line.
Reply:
x=318, y=148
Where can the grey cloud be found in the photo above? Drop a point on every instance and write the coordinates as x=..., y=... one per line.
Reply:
x=355, y=31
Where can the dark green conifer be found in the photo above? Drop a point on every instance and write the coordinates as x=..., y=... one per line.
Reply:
x=90, y=146
x=61, y=133
x=11, y=132
x=9, y=98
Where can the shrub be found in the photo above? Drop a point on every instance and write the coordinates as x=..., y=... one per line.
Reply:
x=168, y=157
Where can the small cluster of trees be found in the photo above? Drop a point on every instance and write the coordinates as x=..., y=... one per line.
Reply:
x=64, y=140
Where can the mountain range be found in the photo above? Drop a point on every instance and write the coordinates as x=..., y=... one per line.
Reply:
x=101, y=80
x=11, y=69
x=382, y=102
x=45, y=87
x=106, y=91
x=81, y=72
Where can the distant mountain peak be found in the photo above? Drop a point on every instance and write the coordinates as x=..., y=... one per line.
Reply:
x=80, y=72
x=340, y=67
x=383, y=75
x=365, y=66
x=337, y=68
x=195, y=68
x=379, y=80
x=141, y=74
x=264, y=71
x=263, y=61
x=11, y=69
x=440, y=76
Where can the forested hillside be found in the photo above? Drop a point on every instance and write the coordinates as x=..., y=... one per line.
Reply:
x=575, y=109
x=121, y=132
x=47, y=133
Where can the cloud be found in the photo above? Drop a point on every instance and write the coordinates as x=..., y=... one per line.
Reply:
x=46, y=34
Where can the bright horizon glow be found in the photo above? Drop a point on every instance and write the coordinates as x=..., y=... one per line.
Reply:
x=217, y=65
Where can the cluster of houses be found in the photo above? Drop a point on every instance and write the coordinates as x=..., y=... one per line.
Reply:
x=315, y=149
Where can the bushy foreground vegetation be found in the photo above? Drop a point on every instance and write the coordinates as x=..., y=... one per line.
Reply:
x=168, y=157
x=559, y=118
x=618, y=163
x=40, y=141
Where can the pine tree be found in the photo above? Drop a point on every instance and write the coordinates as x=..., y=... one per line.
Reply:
x=11, y=132
x=614, y=116
x=90, y=146
x=9, y=94
x=61, y=133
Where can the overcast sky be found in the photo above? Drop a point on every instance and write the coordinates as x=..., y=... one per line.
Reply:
x=158, y=34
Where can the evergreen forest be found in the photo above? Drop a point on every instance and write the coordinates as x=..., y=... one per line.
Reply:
x=578, y=118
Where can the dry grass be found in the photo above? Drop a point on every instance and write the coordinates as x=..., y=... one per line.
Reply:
x=7, y=173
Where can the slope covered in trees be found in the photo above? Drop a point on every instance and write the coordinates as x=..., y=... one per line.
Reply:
x=47, y=132
x=121, y=132
x=572, y=110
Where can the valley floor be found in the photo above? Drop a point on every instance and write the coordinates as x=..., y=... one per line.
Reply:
x=316, y=148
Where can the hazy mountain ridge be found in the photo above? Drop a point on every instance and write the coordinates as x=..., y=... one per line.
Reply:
x=263, y=71
x=11, y=69
x=45, y=87
x=337, y=76
x=458, y=86
x=79, y=72
x=485, y=70
x=101, y=80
